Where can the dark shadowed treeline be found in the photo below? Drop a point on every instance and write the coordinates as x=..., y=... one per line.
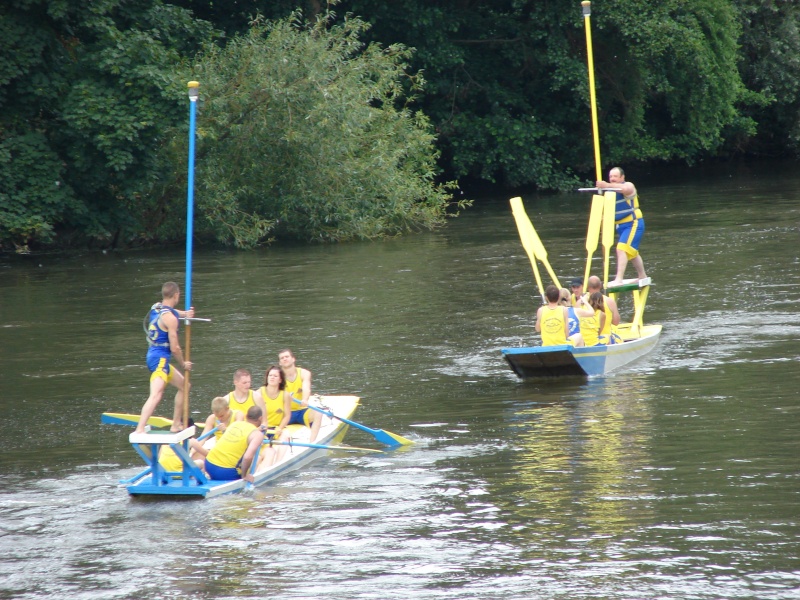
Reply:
x=352, y=137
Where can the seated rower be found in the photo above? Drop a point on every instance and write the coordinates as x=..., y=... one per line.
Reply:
x=278, y=403
x=242, y=397
x=592, y=317
x=572, y=319
x=298, y=384
x=552, y=321
x=594, y=284
x=232, y=456
x=222, y=415
x=170, y=461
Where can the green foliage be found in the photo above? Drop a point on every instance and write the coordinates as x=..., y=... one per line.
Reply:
x=770, y=66
x=92, y=82
x=509, y=92
x=305, y=133
x=33, y=195
x=679, y=91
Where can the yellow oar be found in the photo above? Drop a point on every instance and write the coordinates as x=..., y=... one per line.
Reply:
x=532, y=244
x=593, y=234
x=132, y=420
x=609, y=206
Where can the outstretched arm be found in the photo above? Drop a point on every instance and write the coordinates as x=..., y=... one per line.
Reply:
x=254, y=441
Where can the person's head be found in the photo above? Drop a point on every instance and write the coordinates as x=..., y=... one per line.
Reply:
x=286, y=358
x=275, y=376
x=170, y=290
x=596, y=301
x=219, y=406
x=551, y=293
x=563, y=297
x=616, y=175
x=254, y=415
x=594, y=284
x=242, y=380
x=576, y=285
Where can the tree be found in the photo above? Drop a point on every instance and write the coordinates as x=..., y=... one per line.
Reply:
x=85, y=97
x=306, y=133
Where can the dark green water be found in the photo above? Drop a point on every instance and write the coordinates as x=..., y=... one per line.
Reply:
x=674, y=478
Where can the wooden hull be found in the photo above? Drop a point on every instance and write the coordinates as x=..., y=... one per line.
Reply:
x=563, y=361
x=331, y=432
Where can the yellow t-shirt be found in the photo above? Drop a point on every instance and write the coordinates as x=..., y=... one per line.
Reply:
x=274, y=407
x=296, y=386
x=590, y=329
x=243, y=407
x=230, y=448
x=553, y=326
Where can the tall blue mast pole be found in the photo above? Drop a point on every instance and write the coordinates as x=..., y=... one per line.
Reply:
x=194, y=92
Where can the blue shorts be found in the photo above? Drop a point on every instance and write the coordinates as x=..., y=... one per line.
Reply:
x=630, y=236
x=300, y=417
x=159, y=368
x=222, y=473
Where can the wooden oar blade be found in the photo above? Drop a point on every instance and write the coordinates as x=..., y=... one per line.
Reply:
x=531, y=242
x=593, y=234
x=391, y=439
x=384, y=437
x=126, y=419
x=132, y=420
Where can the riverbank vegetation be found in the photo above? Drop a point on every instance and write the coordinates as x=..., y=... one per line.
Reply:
x=317, y=126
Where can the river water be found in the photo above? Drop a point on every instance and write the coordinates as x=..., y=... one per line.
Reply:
x=676, y=477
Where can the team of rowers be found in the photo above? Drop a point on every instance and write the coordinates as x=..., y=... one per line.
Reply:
x=578, y=318
x=242, y=419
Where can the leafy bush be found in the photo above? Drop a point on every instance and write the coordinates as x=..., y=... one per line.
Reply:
x=305, y=133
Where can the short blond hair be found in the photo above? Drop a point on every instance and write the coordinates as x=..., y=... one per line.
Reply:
x=219, y=404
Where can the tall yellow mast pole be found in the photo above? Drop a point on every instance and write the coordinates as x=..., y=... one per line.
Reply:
x=587, y=22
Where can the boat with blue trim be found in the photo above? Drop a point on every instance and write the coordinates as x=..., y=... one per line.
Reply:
x=192, y=482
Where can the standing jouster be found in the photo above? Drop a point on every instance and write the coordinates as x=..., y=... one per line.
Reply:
x=161, y=327
x=629, y=222
x=162, y=321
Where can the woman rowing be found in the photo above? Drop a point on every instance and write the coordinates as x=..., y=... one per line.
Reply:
x=278, y=403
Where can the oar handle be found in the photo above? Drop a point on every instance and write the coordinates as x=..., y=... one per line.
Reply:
x=207, y=434
x=599, y=190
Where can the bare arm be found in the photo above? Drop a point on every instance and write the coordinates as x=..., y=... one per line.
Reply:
x=254, y=441
x=258, y=399
x=305, y=377
x=538, y=325
x=287, y=413
x=174, y=345
x=614, y=312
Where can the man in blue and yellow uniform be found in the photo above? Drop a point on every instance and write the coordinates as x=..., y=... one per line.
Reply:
x=298, y=384
x=161, y=327
x=629, y=222
x=233, y=454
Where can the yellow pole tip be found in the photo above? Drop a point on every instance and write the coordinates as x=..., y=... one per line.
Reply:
x=586, y=3
x=193, y=84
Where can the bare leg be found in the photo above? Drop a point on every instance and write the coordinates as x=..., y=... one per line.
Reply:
x=157, y=386
x=315, y=425
x=177, y=416
x=622, y=263
x=266, y=459
x=639, y=264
